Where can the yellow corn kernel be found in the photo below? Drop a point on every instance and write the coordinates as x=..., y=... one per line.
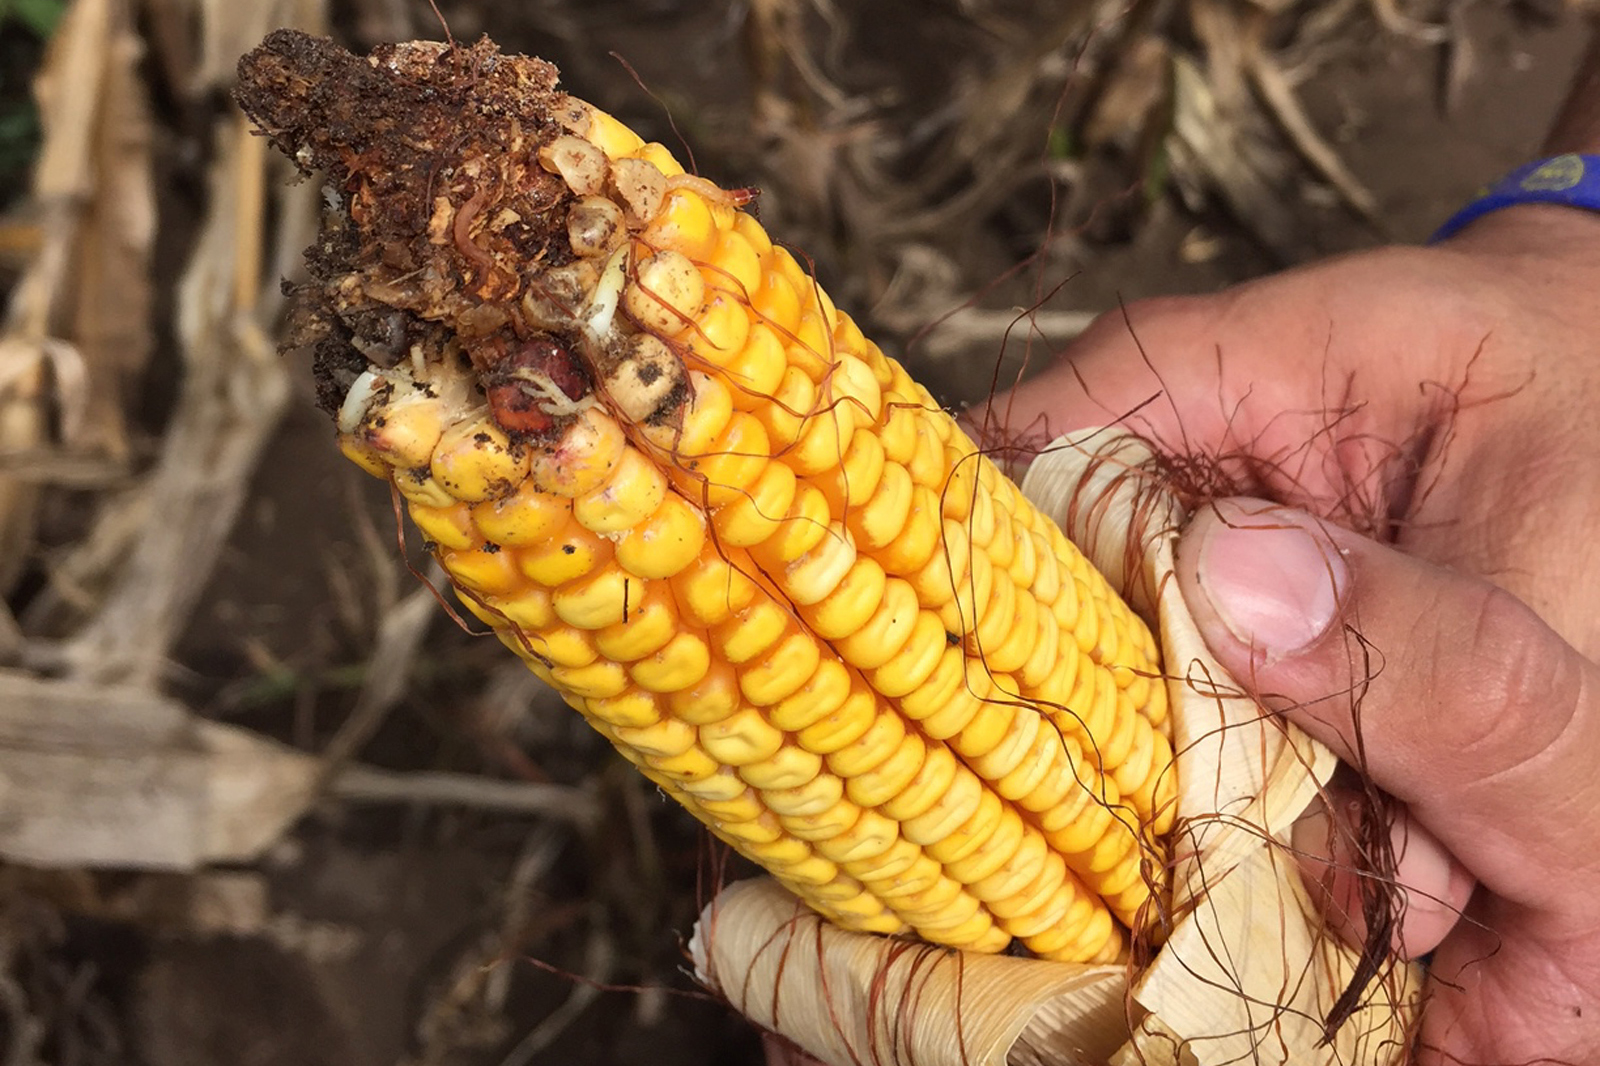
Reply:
x=651, y=621
x=756, y=371
x=854, y=601
x=710, y=699
x=720, y=333
x=485, y=570
x=682, y=662
x=754, y=515
x=823, y=693
x=684, y=222
x=633, y=492
x=782, y=671
x=883, y=782
x=448, y=527
x=664, y=544
x=526, y=516
x=843, y=725
x=596, y=600
x=741, y=739
x=476, y=461
x=565, y=557
x=714, y=587
x=789, y=767
x=811, y=577
x=734, y=265
x=882, y=636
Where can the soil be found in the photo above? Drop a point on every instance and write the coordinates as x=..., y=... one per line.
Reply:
x=386, y=932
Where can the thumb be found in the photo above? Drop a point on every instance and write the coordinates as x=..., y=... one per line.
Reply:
x=1451, y=694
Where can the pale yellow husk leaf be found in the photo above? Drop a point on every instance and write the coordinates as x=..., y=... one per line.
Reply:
x=1247, y=973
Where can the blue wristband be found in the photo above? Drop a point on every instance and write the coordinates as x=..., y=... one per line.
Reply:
x=1573, y=180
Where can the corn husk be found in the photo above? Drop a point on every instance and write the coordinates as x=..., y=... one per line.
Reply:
x=1247, y=972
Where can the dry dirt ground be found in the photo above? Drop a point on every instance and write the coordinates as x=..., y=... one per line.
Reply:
x=381, y=933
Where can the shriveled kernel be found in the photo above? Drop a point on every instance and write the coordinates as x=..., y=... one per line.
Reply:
x=646, y=379
x=665, y=293
x=595, y=227
x=582, y=165
x=641, y=185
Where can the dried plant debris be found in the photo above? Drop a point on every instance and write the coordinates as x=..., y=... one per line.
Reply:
x=437, y=222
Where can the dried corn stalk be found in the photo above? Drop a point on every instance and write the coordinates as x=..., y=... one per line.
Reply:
x=742, y=542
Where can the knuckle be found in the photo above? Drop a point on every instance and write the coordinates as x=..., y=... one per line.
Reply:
x=1520, y=687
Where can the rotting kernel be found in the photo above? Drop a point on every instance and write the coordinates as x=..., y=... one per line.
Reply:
x=665, y=293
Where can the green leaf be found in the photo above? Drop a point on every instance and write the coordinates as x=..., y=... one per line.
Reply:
x=40, y=16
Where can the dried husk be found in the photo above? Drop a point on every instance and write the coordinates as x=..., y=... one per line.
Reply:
x=1247, y=973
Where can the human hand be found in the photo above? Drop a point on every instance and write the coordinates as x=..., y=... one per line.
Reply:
x=1437, y=398
x=1477, y=717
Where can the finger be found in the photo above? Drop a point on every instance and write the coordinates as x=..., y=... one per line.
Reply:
x=1307, y=381
x=1452, y=694
x=1329, y=841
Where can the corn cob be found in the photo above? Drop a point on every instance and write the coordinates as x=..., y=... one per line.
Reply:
x=742, y=542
